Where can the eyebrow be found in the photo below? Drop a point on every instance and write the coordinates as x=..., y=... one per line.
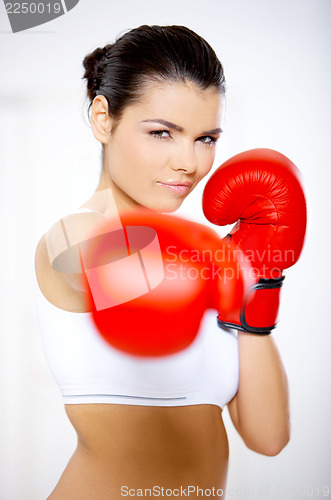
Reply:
x=173, y=126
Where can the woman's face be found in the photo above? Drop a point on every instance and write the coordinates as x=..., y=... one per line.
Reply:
x=163, y=146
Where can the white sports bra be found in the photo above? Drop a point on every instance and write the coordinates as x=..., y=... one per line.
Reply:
x=89, y=370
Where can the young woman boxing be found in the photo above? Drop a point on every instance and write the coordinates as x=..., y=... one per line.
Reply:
x=144, y=381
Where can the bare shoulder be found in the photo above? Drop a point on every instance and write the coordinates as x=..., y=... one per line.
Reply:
x=54, y=285
x=57, y=260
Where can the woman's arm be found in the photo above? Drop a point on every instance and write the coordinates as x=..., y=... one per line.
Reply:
x=260, y=409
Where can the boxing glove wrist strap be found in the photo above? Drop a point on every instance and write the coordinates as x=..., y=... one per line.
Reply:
x=260, y=309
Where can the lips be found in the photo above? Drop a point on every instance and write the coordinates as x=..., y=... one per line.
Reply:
x=176, y=186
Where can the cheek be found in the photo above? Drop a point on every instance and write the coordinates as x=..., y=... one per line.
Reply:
x=206, y=160
x=141, y=153
x=155, y=151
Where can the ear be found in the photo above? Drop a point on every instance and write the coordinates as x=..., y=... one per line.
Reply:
x=101, y=122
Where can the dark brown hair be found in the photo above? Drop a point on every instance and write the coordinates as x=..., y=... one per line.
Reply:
x=173, y=53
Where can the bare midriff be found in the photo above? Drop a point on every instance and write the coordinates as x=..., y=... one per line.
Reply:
x=124, y=450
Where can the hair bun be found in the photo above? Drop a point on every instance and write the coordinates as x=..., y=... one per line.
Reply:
x=94, y=64
x=146, y=54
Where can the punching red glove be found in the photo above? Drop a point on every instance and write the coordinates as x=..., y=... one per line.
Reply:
x=150, y=282
x=261, y=190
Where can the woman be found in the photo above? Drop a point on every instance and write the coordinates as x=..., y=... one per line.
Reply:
x=157, y=103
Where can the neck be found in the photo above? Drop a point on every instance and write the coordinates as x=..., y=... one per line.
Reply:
x=109, y=199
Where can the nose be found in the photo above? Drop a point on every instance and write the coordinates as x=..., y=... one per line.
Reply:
x=185, y=159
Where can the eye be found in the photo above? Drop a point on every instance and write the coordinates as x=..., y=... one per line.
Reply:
x=208, y=139
x=160, y=134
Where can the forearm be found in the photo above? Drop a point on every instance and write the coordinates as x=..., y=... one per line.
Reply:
x=260, y=409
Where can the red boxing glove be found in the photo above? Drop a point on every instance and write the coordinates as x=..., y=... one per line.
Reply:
x=150, y=282
x=261, y=190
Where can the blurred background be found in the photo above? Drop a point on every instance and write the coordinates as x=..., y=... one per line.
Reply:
x=276, y=57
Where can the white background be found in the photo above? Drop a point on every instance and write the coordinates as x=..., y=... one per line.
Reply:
x=276, y=56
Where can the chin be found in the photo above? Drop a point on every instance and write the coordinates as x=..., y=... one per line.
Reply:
x=166, y=207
